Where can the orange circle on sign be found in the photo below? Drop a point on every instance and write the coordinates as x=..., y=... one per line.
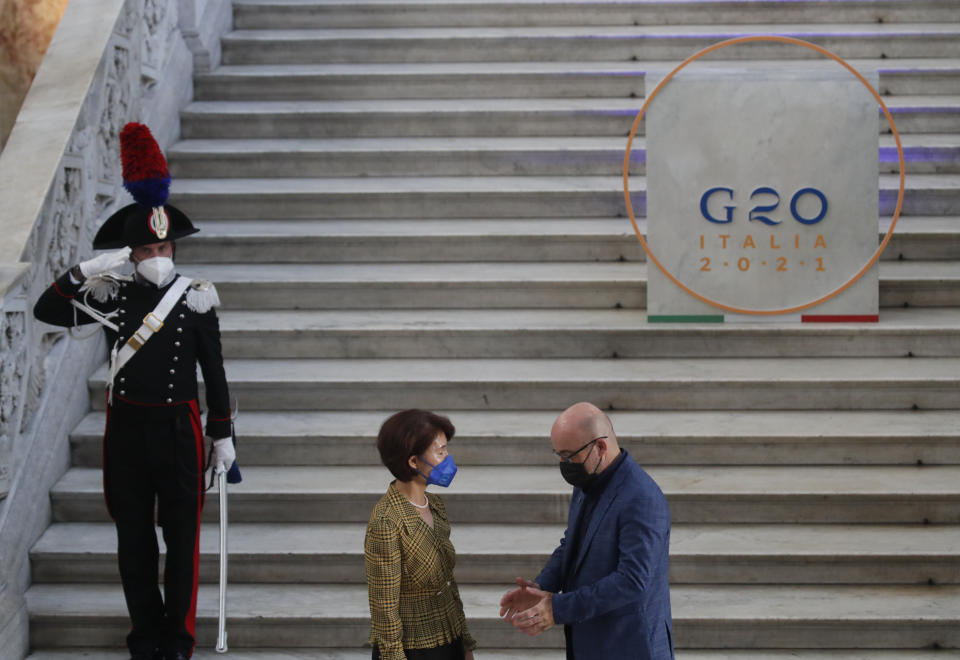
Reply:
x=643, y=110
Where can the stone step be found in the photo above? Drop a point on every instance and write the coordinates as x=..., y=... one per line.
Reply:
x=564, y=117
x=415, y=117
x=500, y=654
x=318, y=553
x=261, y=14
x=430, y=285
x=917, y=238
x=615, y=384
x=438, y=197
x=920, y=332
x=583, y=43
x=466, y=239
x=322, y=438
x=413, y=156
x=925, y=153
x=603, y=334
x=494, y=196
x=455, y=81
x=543, y=156
x=506, y=80
x=714, y=617
x=576, y=285
x=828, y=494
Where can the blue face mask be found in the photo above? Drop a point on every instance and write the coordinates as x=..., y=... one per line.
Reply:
x=442, y=473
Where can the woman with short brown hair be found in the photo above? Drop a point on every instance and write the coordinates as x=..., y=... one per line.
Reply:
x=415, y=607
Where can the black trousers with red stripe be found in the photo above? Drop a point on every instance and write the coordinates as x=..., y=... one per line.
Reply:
x=153, y=461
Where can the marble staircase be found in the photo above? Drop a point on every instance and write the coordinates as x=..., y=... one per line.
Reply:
x=418, y=203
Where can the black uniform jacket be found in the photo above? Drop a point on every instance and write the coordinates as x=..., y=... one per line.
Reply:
x=163, y=373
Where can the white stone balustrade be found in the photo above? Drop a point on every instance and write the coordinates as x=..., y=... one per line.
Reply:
x=110, y=62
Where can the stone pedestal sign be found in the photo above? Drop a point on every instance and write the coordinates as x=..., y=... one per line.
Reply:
x=762, y=193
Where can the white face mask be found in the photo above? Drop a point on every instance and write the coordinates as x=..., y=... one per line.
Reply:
x=156, y=269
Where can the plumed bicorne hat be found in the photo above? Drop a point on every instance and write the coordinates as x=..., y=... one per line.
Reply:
x=149, y=219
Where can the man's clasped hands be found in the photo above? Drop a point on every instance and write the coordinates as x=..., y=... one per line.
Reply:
x=528, y=608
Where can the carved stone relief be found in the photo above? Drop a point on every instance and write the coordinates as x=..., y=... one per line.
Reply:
x=14, y=372
x=67, y=220
x=129, y=18
x=114, y=111
x=159, y=21
x=12, y=368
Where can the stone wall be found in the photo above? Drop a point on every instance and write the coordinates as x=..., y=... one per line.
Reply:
x=110, y=62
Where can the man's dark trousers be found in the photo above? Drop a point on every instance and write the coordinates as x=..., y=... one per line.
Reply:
x=155, y=455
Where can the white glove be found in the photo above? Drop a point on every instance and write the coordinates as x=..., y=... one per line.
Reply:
x=223, y=454
x=104, y=262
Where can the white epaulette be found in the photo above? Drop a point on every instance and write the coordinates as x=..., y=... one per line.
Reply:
x=202, y=296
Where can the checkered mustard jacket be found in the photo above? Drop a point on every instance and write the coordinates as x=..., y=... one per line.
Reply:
x=414, y=600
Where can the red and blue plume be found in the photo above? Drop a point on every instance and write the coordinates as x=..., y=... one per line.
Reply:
x=145, y=173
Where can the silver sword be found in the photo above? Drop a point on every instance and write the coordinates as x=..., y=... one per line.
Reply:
x=222, y=622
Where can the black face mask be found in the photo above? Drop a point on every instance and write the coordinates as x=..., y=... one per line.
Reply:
x=576, y=474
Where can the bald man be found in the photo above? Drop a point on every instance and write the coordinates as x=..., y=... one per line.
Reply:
x=606, y=582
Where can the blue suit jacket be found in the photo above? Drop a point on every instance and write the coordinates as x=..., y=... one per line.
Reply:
x=615, y=594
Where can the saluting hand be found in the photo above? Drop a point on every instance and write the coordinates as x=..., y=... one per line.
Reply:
x=537, y=618
x=104, y=262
